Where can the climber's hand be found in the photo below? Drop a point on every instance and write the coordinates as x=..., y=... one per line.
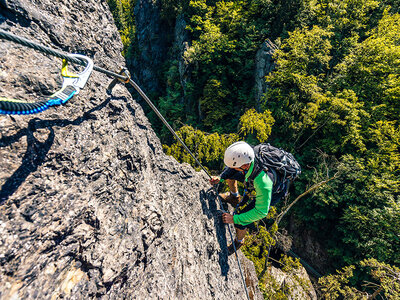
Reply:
x=214, y=180
x=227, y=218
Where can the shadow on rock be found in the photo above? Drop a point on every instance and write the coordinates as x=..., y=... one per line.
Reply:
x=34, y=156
x=210, y=209
x=36, y=151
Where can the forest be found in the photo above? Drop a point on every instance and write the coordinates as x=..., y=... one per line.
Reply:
x=332, y=101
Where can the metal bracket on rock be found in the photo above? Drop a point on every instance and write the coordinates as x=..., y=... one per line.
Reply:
x=123, y=71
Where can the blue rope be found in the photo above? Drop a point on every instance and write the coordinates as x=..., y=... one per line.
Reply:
x=8, y=107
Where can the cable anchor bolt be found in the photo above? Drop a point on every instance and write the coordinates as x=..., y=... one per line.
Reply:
x=123, y=71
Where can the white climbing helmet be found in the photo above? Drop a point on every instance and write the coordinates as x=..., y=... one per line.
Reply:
x=238, y=154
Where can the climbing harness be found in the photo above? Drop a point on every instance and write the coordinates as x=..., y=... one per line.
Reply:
x=72, y=84
x=125, y=78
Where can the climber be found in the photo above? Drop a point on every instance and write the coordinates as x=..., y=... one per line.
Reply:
x=239, y=159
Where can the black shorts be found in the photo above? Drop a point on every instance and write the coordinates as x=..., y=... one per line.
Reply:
x=250, y=206
x=229, y=173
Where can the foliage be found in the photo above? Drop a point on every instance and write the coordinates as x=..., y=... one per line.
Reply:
x=221, y=54
x=381, y=279
x=257, y=245
x=290, y=264
x=337, y=286
x=256, y=127
x=344, y=104
x=171, y=105
x=122, y=11
x=275, y=19
x=386, y=278
x=375, y=231
x=171, y=9
x=371, y=70
x=348, y=20
x=208, y=148
x=212, y=103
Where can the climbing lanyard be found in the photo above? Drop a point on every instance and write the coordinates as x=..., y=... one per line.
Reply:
x=125, y=79
x=72, y=84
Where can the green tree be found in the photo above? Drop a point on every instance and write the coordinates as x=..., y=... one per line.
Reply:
x=208, y=148
x=296, y=85
x=337, y=286
x=344, y=104
x=256, y=127
x=122, y=11
x=213, y=104
x=371, y=70
x=381, y=280
x=385, y=279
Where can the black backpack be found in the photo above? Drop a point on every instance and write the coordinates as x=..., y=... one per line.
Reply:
x=281, y=167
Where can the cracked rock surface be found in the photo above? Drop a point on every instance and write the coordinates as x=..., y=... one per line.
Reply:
x=90, y=207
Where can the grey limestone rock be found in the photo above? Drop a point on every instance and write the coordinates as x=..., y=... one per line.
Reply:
x=152, y=35
x=296, y=284
x=90, y=207
x=264, y=64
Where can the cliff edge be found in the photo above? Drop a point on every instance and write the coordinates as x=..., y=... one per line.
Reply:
x=90, y=207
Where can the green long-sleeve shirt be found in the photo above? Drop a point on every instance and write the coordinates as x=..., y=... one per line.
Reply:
x=263, y=187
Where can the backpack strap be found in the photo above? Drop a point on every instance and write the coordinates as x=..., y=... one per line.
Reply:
x=272, y=175
x=257, y=169
x=258, y=166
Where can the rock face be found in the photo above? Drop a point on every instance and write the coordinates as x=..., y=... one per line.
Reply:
x=264, y=64
x=305, y=243
x=90, y=206
x=296, y=285
x=152, y=35
x=181, y=41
